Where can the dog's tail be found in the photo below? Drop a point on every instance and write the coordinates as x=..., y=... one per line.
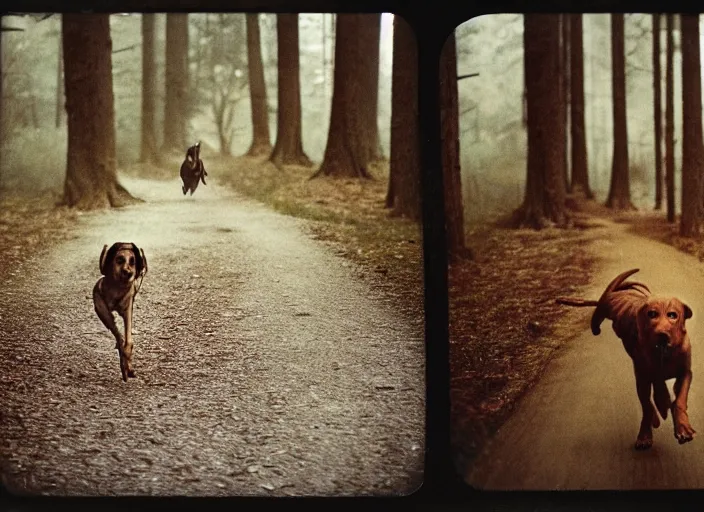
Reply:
x=601, y=311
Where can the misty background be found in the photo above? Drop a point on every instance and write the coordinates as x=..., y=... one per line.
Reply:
x=34, y=144
x=493, y=136
x=493, y=139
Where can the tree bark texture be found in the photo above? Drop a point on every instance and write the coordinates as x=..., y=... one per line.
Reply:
x=619, y=191
x=91, y=170
x=349, y=148
x=60, y=96
x=404, y=164
x=261, y=142
x=580, y=167
x=176, y=106
x=692, y=143
x=288, y=149
x=657, y=111
x=565, y=93
x=544, y=201
x=370, y=33
x=450, y=140
x=670, y=120
x=149, y=150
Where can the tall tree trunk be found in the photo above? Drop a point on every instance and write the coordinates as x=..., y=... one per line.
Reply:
x=404, y=164
x=580, y=175
x=261, y=143
x=60, y=102
x=176, y=106
x=692, y=142
x=657, y=110
x=450, y=140
x=91, y=172
x=565, y=92
x=545, y=184
x=670, y=121
x=288, y=149
x=370, y=33
x=619, y=191
x=149, y=152
x=348, y=148
x=2, y=102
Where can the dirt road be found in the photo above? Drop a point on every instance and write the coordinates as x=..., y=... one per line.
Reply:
x=266, y=364
x=576, y=428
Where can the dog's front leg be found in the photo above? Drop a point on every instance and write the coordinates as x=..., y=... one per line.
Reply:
x=101, y=309
x=683, y=430
x=129, y=345
x=203, y=174
x=650, y=419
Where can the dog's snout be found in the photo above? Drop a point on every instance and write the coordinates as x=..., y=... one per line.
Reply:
x=662, y=339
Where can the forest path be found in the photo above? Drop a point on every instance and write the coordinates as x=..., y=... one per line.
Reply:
x=576, y=428
x=265, y=364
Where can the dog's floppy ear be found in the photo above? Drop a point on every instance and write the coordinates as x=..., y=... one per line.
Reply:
x=107, y=256
x=687, y=311
x=101, y=263
x=140, y=259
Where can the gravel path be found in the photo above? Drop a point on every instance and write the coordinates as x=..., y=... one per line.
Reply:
x=266, y=364
x=576, y=429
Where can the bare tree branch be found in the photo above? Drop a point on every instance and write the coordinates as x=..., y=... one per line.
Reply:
x=127, y=48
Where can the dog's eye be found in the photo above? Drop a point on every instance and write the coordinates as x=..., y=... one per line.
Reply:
x=672, y=314
x=652, y=313
x=131, y=261
x=120, y=260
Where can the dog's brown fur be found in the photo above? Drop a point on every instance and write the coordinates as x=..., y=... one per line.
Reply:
x=121, y=266
x=653, y=333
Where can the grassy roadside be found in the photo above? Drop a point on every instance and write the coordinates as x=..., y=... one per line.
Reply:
x=503, y=319
x=347, y=214
x=503, y=322
x=29, y=224
x=504, y=326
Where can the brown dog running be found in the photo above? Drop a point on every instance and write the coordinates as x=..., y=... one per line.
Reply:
x=123, y=267
x=654, y=335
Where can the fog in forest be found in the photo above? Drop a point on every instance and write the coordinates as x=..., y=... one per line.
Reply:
x=493, y=138
x=492, y=132
x=34, y=141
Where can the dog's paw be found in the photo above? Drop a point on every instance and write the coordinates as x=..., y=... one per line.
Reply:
x=684, y=432
x=644, y=443
x=645, y=439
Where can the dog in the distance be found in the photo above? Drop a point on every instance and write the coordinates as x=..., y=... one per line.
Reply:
x=654, y=335
x=192, y=169
x=123, y=267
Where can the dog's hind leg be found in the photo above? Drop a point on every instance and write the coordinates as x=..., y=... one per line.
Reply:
x=106, y=317
x=663, y=401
